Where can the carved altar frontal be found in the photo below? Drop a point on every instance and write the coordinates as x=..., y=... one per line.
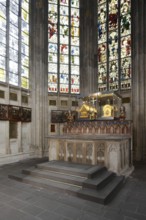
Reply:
x=107, y=143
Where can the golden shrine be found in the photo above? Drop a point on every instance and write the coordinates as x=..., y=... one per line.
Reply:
x=101, y=106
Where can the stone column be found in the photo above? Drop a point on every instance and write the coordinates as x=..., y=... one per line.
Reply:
x=139, y=78
x=39, y=74
x=88, y=48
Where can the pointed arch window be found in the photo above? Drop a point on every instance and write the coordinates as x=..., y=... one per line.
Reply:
x=63, y=46
x=114, y=44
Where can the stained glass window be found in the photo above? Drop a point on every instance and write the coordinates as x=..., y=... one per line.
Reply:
x=3, y=41
x=14, y=32
x=63, y=46
x=114, y=44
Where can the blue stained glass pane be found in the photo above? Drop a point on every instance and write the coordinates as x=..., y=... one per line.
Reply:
x=74, y=50
x=53, y=48
x=64, y=78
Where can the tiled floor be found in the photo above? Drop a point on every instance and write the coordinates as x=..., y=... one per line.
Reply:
x=19, y=201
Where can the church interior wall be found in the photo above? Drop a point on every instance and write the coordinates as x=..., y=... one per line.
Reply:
x=15, y=137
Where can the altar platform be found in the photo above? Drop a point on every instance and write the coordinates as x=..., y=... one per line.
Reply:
x=107, y=143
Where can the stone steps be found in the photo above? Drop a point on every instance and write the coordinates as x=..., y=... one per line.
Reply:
x=89, y=182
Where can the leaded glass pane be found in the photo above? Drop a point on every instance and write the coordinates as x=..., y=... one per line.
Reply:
x=75, y=60
x=52, y=78
x=125, y=46
x=52, y=67
x=64, y=10
x=25, y=16
x=2, y=11
x=2, y=37
x=64, y=2
x=64, y=68
x=74, y=31
x=24, y=60
x=24, y=71
x=3, y=2
x=52, y=88
x=2, y=75
x=2, y=24
x=24, y=26
x=53, y=48
x=75, y=89
x=113, y=14
x=24, y=82
x=102, y=74
x=53, y=1
x=64, y=88
x=75, y=70
x=3, y=49
x=64, y=78
x=25, y=5
x=102, y=50
x=75, y=41
x=64, y=59
x=64, y=49
x=75, y=3
x=14, y=7
x=25, y=37
x=13, y=79
x=74, y=50
x=64, y=39
x=64, y=20
x=64, y=30
x=52, y=37
x=113, y=45
x=2, y=62
x=113, y=75
x=25, y=49
x=52, y=57
x=14, y=19
x=13, y=42
x=13, y=31
x=75, y=79
x=13, y=54
x=75, y=13
x=13, y=67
